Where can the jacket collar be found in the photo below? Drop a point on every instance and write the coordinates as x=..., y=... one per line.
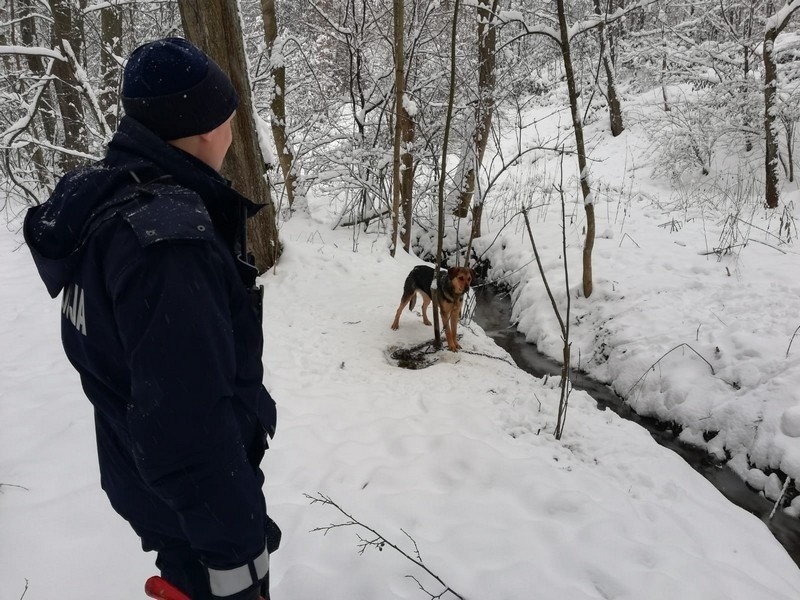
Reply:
x=134, y=145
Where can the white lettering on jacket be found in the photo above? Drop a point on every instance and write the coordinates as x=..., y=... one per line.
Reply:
x=72, y=307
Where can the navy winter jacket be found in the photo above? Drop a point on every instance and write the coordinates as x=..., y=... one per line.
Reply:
x=157, y=320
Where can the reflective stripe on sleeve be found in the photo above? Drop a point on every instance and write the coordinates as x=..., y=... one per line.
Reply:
x=232, y=581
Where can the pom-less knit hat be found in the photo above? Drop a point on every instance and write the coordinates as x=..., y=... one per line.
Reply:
x=175, y=90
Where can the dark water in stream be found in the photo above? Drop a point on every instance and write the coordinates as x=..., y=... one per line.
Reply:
x=493, y=314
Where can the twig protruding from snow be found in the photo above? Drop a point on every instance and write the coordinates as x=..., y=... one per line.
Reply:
x=378, y=541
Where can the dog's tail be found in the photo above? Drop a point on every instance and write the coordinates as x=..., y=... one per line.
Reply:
x=412, y=302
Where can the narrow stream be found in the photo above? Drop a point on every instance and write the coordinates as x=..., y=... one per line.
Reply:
x=493, y=314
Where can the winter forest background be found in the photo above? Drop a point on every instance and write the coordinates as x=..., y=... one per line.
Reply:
x=408, y=117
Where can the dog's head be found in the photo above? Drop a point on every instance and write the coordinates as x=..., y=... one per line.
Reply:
x=460, y=278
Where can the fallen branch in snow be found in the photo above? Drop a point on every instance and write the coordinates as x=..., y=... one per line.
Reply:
x=778, y=501
x=500, y=358
x=630, y=238
x=379, y=541
x=791, y=340
x=14, y=485
x=727, y=249
x=651, y=367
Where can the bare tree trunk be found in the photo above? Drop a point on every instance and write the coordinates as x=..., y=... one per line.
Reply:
x=27, y=29
x=404, y=133
x=775, y=24
x=66, y=28
x=407, y=136
x=278, y=103
x=664, y=72
x=111, y=47
x=588, y=202
x=771, y=193
x=408, y=133
x=399, y=88
x=28, y=37
x=487, y=45
x=475, y=232
x=788, y=128
x=215, y=27
x=352, y=82
x=7, y=59
x=748, y=144
x=437, y=335
x=614, y=107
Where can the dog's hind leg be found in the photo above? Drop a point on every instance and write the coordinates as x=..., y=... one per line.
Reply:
x=409, y=295
x=403, y=301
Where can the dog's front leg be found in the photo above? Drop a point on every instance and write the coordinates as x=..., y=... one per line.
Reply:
x=449, y=332
x=454, y=315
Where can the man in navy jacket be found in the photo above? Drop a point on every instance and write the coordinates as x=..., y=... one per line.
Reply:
x=160, y=319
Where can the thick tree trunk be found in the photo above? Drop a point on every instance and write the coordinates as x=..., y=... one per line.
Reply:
x=111, y=32
x=748, y=144
x=614, y=106
x=771, y=193
x=45, y=111
x=215, y=27
x=775, y=24
x=278, y=103
x=588, y=202
x=407, y=137
x=66, y=30
x=487, y=45
x=399, y=88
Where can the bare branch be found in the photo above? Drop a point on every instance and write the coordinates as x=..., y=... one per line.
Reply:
x=379, y=541
x=791, y=340
x=651, y=367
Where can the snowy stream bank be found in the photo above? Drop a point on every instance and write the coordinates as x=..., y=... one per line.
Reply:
x=493, y=314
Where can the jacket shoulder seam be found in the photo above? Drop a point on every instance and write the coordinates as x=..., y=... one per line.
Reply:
x=168, y=212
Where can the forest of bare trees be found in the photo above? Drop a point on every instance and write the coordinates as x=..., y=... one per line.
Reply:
x=350, y=97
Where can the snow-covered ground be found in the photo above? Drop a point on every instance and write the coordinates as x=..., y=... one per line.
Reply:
x=704, y=340
x=456, y=464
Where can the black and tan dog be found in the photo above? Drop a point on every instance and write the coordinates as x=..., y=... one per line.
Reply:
x=452, y=285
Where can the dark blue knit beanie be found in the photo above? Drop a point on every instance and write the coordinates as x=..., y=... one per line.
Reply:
x=175, y=90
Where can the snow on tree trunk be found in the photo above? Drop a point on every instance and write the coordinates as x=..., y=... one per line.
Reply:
x=771, y=193
x=487, y=44
x=278, y=103
x=614, y=106
x=775, y=24
x=215, y=26
x=407, y=136
x=111, y=31
x=66, y=27
x=399, y=88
